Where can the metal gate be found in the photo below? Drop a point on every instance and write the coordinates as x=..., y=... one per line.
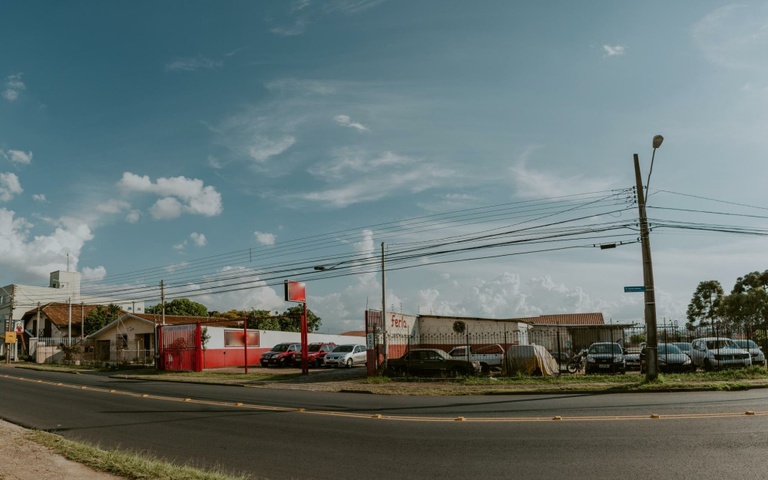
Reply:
x=180, y=348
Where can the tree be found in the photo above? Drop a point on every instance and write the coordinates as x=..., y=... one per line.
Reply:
x=705, y=304
x=290, y=320
x=180, y=306
x=747, y=305
x=100, y=317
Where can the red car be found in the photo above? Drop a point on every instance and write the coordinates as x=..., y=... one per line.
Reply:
x=281, y=355
x=315, y=354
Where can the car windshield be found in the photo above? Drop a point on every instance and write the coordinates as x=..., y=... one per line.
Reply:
x=746, y=344
x=344, y=348
x=722, y=343
x=669, y=349
x=281, y=347
x=683, y=346
x=314, y=348
x=605, y=348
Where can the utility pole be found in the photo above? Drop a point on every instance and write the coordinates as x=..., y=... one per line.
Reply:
x=651, y=346
x=162, y=299
x=384, y=305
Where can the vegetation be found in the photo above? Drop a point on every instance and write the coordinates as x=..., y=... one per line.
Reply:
x=180, y=306
x=125, y=464
x=100, y=317
x=744, y=310
x=288, y=321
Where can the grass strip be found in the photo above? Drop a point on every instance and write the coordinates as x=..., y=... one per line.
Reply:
x=126, y=464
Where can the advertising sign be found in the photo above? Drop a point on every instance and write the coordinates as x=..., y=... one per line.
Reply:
x=10, y=337
x=295, y=291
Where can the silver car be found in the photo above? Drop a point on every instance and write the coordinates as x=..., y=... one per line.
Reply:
x=713, y=353
x=346, y=356
x=758, y=357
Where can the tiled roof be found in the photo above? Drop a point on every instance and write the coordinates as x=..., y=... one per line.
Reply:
x=185, y=320
x=566, y=319
x=59, y=313
x=355, y=333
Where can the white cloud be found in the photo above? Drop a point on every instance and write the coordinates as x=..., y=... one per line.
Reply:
x=214, y=162
x=734, y=36
x=166, y=208
x=613, y=50
x=133, y=216
x=259, y=296
x=294, y=85
x=542, y=184
x=38, y=255
x=179, y=195
x=355, y=176
x=9, y=186
x=13, y=87
x=39, y=198
x=113, y=206
x=198, y=239
x=346, y=121
x=17, y=156
x=192, y=64
x=265, y=238
x=304, y=12
x=94, y=274
x=262, y=148
x=180, y=246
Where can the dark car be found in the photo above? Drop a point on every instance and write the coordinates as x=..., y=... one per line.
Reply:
x=316, y=351
x=431, y=362
x=605, y=357
x=671, y=359
x=684, y=347
x=281, y=355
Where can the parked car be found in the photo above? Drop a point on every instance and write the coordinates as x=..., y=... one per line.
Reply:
x=281, y=355
x=633, y=361
x=670, y=359
x=316, y=351
x=713, y=353
x=347, y=355
x=684, y=347
x=490, y=356
x=432, y=362
x=605, y=357
x=758, y=357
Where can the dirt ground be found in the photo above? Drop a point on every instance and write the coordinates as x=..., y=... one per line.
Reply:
x=23, y=459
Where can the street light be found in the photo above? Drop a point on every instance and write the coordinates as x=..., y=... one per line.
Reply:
x=652, y=346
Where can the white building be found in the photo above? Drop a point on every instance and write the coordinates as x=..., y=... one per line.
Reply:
x=63, y=287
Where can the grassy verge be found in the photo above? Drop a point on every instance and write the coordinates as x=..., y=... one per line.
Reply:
x=754, y=377
x=125, y=464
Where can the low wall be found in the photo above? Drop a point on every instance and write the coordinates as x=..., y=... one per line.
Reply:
x=225, y=349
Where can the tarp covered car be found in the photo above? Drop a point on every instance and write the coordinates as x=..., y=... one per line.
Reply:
x=530, y=360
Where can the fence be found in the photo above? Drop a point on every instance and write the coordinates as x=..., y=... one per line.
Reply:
x=87, y=352
x=566, y=341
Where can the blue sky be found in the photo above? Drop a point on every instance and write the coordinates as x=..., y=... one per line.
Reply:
x=199, y=142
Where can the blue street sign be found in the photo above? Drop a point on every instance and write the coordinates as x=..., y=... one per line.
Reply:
x=639, y=288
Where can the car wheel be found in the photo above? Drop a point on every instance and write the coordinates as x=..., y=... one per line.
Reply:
x=349, y=363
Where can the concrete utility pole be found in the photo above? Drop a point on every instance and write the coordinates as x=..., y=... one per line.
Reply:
x=652, y=345
x=162, y=299
x=384, y=306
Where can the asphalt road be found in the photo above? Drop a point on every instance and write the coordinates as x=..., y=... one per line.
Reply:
x=266, y=433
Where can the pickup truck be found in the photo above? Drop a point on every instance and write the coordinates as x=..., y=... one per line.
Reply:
x=490, y=357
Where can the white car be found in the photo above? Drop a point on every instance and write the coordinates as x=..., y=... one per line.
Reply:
x=346, y=356
x=712, y=353
x=758, y=357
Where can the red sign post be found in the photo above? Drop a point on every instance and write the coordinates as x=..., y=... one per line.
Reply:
x=297, y=292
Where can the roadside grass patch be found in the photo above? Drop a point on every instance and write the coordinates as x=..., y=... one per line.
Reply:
x=126, y=464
